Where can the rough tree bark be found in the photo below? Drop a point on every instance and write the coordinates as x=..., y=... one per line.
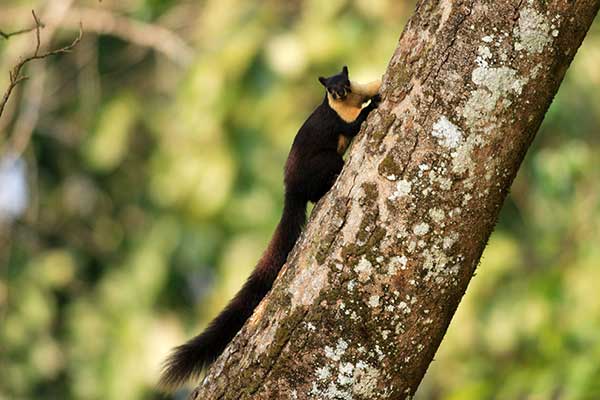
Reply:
x=370, y=288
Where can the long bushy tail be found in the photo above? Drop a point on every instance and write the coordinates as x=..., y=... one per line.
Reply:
x=188, y=360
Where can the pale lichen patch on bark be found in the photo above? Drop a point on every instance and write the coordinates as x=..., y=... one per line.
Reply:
x=421, y=229
x=307, y=285
x=533, y=31
x=403, y=188
x=365, y=377
x=364, y=269
x=493, y=84
x=336, y=353
x=265, y=338
x=438, y=265
x=448, y=134
x=346, y=374
x=395, y=264
x=437, y=215
x=373, y=301
x=461, y=159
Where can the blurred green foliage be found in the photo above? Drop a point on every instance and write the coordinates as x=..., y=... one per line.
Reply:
x=156, y=186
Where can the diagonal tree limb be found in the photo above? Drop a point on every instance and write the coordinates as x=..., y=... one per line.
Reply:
x=143, y=34
x=153, y=36
x=371, y=287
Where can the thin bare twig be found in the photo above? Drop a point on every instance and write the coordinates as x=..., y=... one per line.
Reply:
x=15, y=73
x=32, y=95
x=19, y=32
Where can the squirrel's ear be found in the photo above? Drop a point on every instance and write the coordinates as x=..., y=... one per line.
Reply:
x=345, y=70
x=323, y=81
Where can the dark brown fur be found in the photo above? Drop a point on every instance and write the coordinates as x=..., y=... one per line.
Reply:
x=314, y=162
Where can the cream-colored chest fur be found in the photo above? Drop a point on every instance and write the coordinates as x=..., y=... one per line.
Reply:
x=349, y=108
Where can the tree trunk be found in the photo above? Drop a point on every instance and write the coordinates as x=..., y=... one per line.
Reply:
x=370, y=288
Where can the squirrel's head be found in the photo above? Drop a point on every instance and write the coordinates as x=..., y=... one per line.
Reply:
x=338, y=86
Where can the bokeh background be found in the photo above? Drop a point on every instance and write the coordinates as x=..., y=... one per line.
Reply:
x=141, y=178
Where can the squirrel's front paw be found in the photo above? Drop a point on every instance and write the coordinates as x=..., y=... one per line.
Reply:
x=375, y=100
